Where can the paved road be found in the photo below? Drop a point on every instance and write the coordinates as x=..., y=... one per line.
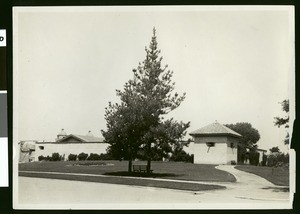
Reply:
x=250, y=191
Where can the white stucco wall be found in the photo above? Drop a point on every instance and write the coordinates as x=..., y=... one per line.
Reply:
x=221, y=153
x=69, y=148
x=189, y=149
x=215, y=155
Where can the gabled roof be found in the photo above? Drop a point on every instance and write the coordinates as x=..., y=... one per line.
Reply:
x=215, y=129
x=83, y=138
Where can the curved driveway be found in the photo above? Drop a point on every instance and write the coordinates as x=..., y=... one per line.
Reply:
x=252, y=186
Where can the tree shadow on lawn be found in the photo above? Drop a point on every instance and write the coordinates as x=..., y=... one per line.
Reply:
x=278, y=189
x=141, y=174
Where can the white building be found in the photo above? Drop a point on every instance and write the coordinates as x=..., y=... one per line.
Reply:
x=215, y=144
x=71, y=144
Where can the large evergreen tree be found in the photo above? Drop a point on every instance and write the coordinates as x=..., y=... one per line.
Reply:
x=136, y=127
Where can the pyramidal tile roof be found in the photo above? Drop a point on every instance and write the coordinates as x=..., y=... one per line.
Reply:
x=215, y=129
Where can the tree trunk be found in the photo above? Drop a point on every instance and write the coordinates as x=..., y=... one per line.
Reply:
x=130, y=166
x=148, y=166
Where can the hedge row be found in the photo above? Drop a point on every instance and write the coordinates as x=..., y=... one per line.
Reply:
x=73, y=157
x=54, y=157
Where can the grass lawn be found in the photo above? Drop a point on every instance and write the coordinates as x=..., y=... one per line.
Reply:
x=169, y=170
x=164, y=170
x=280, y=175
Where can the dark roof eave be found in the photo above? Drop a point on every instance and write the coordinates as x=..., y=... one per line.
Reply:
x=263, y=150
x=214, y=134
x=74, y=142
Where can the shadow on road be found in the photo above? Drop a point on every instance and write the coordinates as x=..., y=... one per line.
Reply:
x=138, y=174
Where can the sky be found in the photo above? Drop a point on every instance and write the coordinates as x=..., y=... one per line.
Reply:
x=234, y=63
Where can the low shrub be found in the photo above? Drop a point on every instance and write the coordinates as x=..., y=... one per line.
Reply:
x=180, y=155
x=41, y=158
x=233, y=162
x=93, y=156
x=48, y=158
x=82, y=156
x=105, y=157
x=72, y=157
x=55, y=157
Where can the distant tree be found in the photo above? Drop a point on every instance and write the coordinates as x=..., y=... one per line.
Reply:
x=274, y=149
x=136, y=127
x=284, y=121
x=250, y=136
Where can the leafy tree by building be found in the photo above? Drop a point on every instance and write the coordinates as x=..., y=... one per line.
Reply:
x=136, y=127
x=250, y=136
x=284, y=121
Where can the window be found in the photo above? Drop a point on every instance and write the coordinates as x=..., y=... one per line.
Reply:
x=41, y=147
x=211, y=144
